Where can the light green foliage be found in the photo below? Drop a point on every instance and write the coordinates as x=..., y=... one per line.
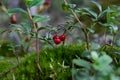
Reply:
x=16, y=10
x=100, y=68
x=5, y=48
x=78, y=62
x=56, y=63
x=41, y=18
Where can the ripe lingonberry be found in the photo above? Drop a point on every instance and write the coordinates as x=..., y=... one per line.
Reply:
x=62, y=37
x=57, y=41
x=13, y=19
x=54, y=37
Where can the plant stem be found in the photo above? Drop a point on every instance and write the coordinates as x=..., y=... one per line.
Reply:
x=3, y=8
x=86, y=38
x=81, y=25
x=37, y=41
x=31, y=18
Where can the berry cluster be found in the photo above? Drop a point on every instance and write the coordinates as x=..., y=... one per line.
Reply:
x=59, y=39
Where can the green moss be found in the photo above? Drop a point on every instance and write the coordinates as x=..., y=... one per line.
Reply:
x=56, y=63
x=6, y=64
x=5, y=48
x=59, y=58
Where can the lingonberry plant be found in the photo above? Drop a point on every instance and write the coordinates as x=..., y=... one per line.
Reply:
x=89, y=19
x=29, y=31
x=94, y=66
x=94, y=61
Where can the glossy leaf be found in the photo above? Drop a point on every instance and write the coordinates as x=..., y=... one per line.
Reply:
x=42, y=28
x=72, y=5
x=40, y=18
x=95, y=46
x=98, y=5
x=82, y=63
x=94, y=55
x=102, y=14
x=91, y=12
x=36, y=2
x=108, y=17
x=27, y=2
x=16, y=10
x=91, y=30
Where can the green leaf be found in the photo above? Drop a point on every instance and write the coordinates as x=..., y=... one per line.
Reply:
x=72, y=5
x=27, y=27
x=16, y=10
x=28, y=2
x=98, y=5
x=105, y=59
x=95, y=46
x=102, y=64
x=114, y=28
x=94, y=55
x=82, y=63
x=102, y=14
x=118, y=42
x=36, y=2
x=32, y=3
x=65, y=7
x=42, y=28
x=40, y=18
x=90, y=30
x=91, y=12
x=108, y=16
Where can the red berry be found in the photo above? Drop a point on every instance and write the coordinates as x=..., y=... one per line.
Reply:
x=13, y=19
x=57, y=41
x=54, y=37
x=62, y=37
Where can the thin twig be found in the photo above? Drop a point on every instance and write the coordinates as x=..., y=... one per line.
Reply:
x=3, y=8
x=37, y=40
x=31, y=18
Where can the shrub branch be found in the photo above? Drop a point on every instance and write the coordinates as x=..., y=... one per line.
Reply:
x=37, y=40
x=81, y=25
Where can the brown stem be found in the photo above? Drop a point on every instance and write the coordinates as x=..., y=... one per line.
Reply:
x=86, y=38
x=37, y=41
x=37, y=54
x=31, y=18
x=4, y=9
